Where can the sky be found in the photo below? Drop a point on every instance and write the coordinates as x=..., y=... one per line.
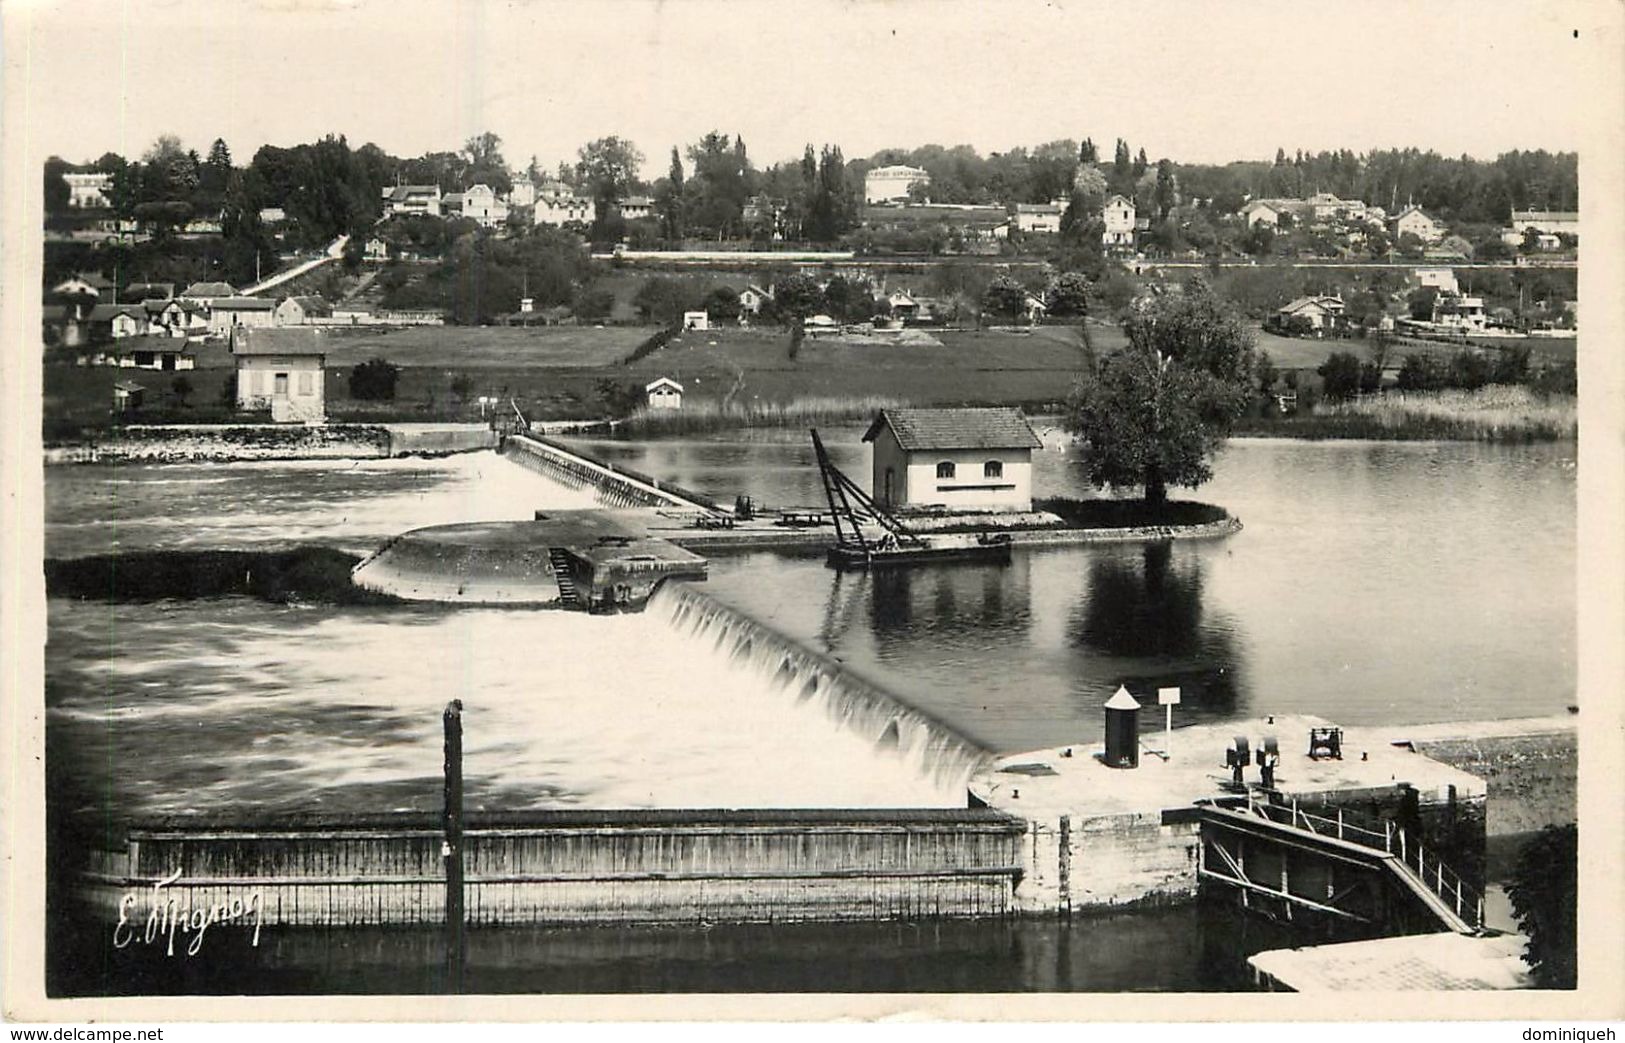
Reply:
x=1196, y=82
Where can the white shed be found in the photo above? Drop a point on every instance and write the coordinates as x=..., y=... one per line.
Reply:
x=664, y=393
x=696, y=320
x=972, y=458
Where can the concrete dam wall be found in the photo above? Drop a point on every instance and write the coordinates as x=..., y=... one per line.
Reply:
x=616, y=487
x=573, y=867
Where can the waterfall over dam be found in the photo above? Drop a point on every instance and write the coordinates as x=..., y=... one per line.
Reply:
x=787, y=668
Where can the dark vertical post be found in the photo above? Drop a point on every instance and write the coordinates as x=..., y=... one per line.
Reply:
x=452, y=848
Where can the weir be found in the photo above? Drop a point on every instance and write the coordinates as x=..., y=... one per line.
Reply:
x=932, y=748
x=615, y=487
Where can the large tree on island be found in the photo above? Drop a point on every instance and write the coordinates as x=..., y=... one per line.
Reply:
x=1155, y=413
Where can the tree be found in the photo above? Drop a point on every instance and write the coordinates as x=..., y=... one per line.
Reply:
x=485, y=163
x=1068, y=295
x=374, y=380
x=1088, y=154
x=723, y=303
x=462, y=386
x=1340, y=374
x=1545, y=897
x=1005, y=296
x=794, y=298
x=56, y=187
x=1155, y=413
x=669, y=199
x=607, y=168
x=1165, y=193
x=182, y=387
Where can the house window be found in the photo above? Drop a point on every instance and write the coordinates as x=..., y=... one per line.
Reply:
x=945, y=469
x=281, y=387
x=306, y=386
x=993, y=469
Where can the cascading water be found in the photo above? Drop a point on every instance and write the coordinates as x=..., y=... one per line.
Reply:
x=896, y=731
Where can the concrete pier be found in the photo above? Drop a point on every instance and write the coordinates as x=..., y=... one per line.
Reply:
x=591, y=560
x=1099, y=836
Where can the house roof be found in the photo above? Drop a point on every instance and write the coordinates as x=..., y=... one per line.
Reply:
x=637, y=201
x=1412, y=209
x=278, y=341
x=401, y=193
x=242, y=304
x=209, y=289
x=1322, y=302
x=1544, y=215
x=313, y=303
x=925, y=429
x=153, y=342
x=663, y=382
x=128, y=386
x=107, y=312
x=1118, y=198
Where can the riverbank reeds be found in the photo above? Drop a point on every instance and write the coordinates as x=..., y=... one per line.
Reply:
x=705, y=416
x=1491, y=414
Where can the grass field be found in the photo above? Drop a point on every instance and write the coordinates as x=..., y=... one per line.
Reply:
x=453, y=347
x=564, y=372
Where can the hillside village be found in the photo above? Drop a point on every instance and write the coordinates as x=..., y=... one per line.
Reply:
x=154, y=264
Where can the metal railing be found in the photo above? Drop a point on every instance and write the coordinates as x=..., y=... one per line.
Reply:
x=1410, y=856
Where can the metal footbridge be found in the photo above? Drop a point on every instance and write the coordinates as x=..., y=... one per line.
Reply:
x=1288, y=861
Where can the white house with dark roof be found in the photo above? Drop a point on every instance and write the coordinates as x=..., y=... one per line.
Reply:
x=421, y=200
x=89, y=191
x=1040, y=218
x=227, y=313
x=299, y=311
x=281, y=370
x=752, y=298
x=482, y=205
x=1117, y=214
x=1413, y=220
x=633, y=208
x=976, y=459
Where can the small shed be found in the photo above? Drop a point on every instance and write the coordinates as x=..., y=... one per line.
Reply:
x=977, y=459
x=127, y=396
x=696, y=320
x=664, y=393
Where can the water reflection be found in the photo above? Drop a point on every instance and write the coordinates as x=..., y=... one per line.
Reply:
x=990, y=605
x=1145, y=607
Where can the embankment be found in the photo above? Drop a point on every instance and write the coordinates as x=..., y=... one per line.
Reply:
x=311, y=575
x=195, y=443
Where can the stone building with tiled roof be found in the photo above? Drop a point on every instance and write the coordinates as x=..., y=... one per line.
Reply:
x=971, y=459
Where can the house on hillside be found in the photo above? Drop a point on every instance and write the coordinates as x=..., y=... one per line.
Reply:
x=127, y=320
x=664, y=393
x=752, y=299
x=1316, y=314
x=975, y=459
x=1551, y=222
x=299, y=311
x=91, y=283
x=176, y=317
x=1413, y=220
x=1441, y=279
x=561, y=207
x=481, y=205
x=208, y=292
x=376, y=251
x=148, y=291
x=413, y=200
x=227, y=313
x=155, y=352
x=282, y=370
x=891, y=184
x=903, y=305
x=1118, y=216
x=1040, y=218
x=89, y=191
x=634, y=208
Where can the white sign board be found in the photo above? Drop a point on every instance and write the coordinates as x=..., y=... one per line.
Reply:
x=1167, y=696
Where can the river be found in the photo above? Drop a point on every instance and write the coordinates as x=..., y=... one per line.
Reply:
x=1373, y=583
